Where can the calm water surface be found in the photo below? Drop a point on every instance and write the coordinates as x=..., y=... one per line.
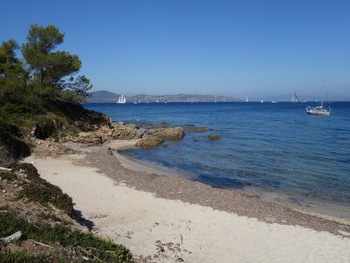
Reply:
x=274, y=148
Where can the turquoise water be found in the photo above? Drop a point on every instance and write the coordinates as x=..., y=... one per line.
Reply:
x=274, y=148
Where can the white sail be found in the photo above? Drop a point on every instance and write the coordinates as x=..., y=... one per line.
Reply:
x=294, y=98
x=121, y=99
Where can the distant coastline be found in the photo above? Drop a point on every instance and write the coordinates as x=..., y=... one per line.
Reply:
x=110, y=97
x=104, y=96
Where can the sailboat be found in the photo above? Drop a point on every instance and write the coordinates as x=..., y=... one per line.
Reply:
x=321, y=109
x=121, y=99
x=294, y=98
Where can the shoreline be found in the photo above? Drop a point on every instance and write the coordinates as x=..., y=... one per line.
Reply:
x=214, y=197
x=137, y=208
x=328, y=211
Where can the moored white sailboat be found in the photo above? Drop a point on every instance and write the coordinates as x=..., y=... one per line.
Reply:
x=321, y=109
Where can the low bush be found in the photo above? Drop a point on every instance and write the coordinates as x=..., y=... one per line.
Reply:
x=7, y=176
x=41, y=191
x=29, y=169
x=5, y=157
x=60, y=237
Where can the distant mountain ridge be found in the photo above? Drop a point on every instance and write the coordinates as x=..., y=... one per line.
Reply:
x=107, y=96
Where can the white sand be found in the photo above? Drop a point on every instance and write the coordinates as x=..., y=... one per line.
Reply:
x=138, y=219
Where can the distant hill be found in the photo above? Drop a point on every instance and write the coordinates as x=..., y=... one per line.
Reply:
x=107, y=96
x=103, y=96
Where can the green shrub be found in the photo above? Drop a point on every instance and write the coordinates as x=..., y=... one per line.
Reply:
x=10, y=257
x=45, y=193
x=5, y=156
x=7, y=176
x=18, y=110
x=39, y=190
x=7, y=130
x=105, y=251
x=29, y=169
x=11, y=145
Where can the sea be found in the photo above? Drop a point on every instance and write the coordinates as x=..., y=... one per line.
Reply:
x=272, y=149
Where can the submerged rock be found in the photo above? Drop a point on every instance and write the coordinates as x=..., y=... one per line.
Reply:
x=214, y=137
x=198, y=129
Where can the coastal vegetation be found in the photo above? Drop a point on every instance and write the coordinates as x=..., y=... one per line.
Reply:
x=40, y=91
x=38, y=223
x=40, y=98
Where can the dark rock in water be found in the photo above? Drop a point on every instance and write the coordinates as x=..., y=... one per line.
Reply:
x=214, y=137
x=149, y=142
x=198, y=129
x=172, y=133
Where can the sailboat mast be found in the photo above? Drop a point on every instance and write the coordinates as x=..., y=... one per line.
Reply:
x=322, y=91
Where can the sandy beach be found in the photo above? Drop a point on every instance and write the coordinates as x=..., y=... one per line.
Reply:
x=139, y=208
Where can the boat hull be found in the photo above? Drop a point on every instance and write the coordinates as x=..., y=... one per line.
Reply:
x=317, y=111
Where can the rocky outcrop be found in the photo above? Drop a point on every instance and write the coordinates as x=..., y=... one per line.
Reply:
x=173, y=133
x=122, y=131
x=88, y=138
x=149, y=142
x=92, y=121
x=150, y=137
x=117, y=131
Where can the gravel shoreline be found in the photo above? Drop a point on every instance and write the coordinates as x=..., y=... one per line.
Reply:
x=233, y=201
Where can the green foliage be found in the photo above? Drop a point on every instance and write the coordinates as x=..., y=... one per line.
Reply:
x=41, y=191
x=44, y=130
x=52, y=71
x=6, y=129
x=5, y=158
x=7, y=176
x=43, y=73
x=29, y=169
x=10, y=146
x=9, y=257
x=36, y=88
x=46, y=193
x=18, y=111
x=97, y=248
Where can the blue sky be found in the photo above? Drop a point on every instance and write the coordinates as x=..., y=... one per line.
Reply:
x=253, y=48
